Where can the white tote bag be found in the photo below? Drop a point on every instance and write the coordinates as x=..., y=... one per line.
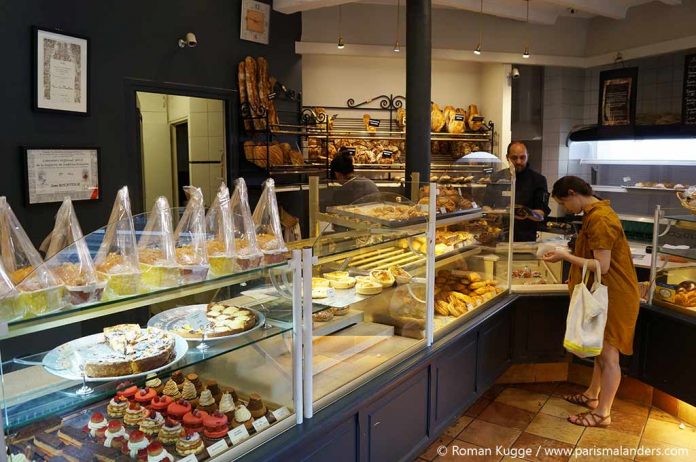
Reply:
x=587, y=316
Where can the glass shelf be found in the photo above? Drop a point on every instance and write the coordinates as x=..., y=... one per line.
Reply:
x=689, y=254
x=687, y=217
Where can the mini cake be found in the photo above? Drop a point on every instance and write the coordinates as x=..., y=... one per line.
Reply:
x=193, y=421
x=136, y=447
x=189, y=393
x=128, y=393
x=215, y=425
x=215, y=390
x=242, y=416
x=171, y=389
x=178, y=409
x=74, y=436
x=178, y=378
x=144, y=396
x=154, y=382
x=227, y=406
x=160, y=404
x=157, y=453
x=134, y=415
x=196, y=381
x=233, y=392
x=206, y=402
x=256, y=406
x=96, y=423
x=117, y=407
x=152, y=423
x=191, y=443
x=171, y=431
x=115, y=435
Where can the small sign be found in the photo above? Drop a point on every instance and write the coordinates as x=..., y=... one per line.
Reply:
x=238, y=434
x=460, y=117
x=477, y=118
x=261, y=424
x=272, y=96
x=488, y=170
x=281, y=413
x=349, y=151
x=507, y=193
x=443, y=210
x=373, y=123
x=198, y=321
x=217, y=448
x=474, y=205
x=189, y=458
x=387, y=154
x=626, y=179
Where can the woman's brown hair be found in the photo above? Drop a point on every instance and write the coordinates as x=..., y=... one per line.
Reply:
x=563, y=186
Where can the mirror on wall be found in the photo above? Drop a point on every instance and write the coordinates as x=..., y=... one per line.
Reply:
x=182, y=142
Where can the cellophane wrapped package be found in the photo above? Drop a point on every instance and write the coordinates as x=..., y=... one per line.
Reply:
x=156, y=254
x=117, y=259
x=220, y=234
x=8, y=297
x=269, y=233
x=190, y=239
x=248, y=253
x=39, y=291
x=69, y=259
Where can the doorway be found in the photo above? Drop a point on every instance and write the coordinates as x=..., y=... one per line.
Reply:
x=181, y=156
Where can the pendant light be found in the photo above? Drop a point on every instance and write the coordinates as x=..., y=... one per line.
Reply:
x=526, y=54
x=398, y=19
x=341, y=44
x=477, y=51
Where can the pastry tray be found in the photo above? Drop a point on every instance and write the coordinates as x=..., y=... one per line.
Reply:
x=61, y=360
x=171, y=320
x=344, y=211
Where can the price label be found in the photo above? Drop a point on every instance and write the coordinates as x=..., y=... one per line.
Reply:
x=189, y=458
x=272, y=96
x=507, y=193
x=443, y=210
x=281, y=413
x=488, y=170
x=217, y=448
x=238, y=434
x=478, y=118
x=459, y=117
x=387, y=154
x=261, y=424
x=350, y=151
x=373, y=123
x=198, y=321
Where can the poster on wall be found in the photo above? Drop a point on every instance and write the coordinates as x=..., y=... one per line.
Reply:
x=60, y=72
x=617, y=96
x=53, y=174
x=689, y=91
x=255, y=21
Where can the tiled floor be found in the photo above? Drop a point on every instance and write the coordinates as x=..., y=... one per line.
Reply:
x=529, y=422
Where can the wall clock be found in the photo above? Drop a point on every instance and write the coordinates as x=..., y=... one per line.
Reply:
x=255, y=21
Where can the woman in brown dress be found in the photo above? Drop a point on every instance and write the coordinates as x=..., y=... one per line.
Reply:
x=601, y=238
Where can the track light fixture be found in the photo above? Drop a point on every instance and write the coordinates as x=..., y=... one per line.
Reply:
x=341, y=43
x=526, y=54
x=398, y=19
x=477, y=51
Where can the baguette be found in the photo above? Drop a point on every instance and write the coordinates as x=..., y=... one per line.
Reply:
x=252, y=92
x=265, y=91
x=241, y=76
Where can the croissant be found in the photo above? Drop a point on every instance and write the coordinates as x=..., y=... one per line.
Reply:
x=437, y=118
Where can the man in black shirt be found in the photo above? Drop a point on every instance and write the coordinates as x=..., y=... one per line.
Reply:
x=531, y=194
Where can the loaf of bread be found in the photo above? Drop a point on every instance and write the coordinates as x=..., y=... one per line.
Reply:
x=437, y=118
x=401, y=118
x=250, y=68
x=368, y=127
x=456, y=120
x=473, y=112
x=265, y=91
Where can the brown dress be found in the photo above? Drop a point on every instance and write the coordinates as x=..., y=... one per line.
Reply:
x=602, y=230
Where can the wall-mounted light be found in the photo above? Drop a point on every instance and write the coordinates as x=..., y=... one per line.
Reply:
x=340, y=44
x=398, y=18
x=189, y=40
x=477, y=51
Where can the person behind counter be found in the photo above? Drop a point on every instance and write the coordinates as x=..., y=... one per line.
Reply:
x=531, y=194
x=601, y=238
x=353, y=187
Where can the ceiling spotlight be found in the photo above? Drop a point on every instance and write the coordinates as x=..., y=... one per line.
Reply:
x=341, y=44
x=526, y=54
x=477, y=51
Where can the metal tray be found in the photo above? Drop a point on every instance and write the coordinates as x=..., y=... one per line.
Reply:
x=341, y=210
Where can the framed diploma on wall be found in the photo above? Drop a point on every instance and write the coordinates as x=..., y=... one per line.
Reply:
x=617, y=97
x=51, y=174
x=60, y=69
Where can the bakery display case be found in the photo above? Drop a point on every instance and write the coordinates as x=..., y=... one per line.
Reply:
x=673, y=270
x=159, y=357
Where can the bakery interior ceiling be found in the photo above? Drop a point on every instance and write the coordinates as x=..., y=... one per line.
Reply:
x=542, y=11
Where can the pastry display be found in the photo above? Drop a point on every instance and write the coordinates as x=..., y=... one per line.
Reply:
x=76, y=437
x=170, y=432
x=128, y=392
x=193, y=421
x=227, y=406
x=224, y=319
x=214, y=388
x=388, y=212
x=340, y=311
x=136, y=446
x=447, y=200
x=343, y=283
x=96, y=424
x=456, y=294
x=206, y=402
x=685, y=294
x=189, y=444
x=323, y=316
x=178, y=378
x=189, y=393
x=445, y=241
x=160, y=404
x=115, y=435
x=178, y=409
x=134, y=414
x=157, y=453
x=320, y=283
x=193, y=378
x=368, y=288
x=400, y=275
x=335, y=275
x=242, y=416
x=152, y=423
x=127, y=349
x=320, y=292
x=385, y=278
x=117, y=407
x=144, y=396
x=256, y=406
x=48, y=443
x=215, y=425
x=154, y=382
x=171, y=389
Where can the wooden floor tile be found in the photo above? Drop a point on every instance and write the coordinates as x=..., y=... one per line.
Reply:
x=488, y=435
x=523, y=399
x=506, y=415
x=458, y=426
x=558, y=407
x=670, y=433
x=478, y=407
x=539, y=449
x=677, y=453
x=555, y=428
x=596, y=437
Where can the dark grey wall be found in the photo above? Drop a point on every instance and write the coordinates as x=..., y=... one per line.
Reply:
x=128, y=39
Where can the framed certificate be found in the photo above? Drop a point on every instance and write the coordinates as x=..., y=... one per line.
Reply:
x=60, y=72
x=53, y=174
x=617, y=97
x=255, y=21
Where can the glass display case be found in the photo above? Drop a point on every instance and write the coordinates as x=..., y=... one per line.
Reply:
x=674, y=260
x=176, y=358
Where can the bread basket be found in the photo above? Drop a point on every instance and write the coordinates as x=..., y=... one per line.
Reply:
x=688, y=202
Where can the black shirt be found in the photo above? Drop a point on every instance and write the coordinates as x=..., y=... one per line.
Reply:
x=531, y=190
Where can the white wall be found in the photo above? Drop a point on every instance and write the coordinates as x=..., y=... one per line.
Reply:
x=496, y=98
x=157, y=154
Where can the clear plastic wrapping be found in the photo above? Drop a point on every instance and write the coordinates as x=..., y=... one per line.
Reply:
x=39, y=291
x=69, y=260
x=220, y=234
x=269, y=233
x=117, y=258
x=156, y=254
x=189, y=238
x=248, y=253
x=8, y=296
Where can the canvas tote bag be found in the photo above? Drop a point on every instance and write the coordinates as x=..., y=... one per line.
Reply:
x=587, y=316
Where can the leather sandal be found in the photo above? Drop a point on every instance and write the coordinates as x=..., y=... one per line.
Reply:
x=583, y=420
x=581, y=399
